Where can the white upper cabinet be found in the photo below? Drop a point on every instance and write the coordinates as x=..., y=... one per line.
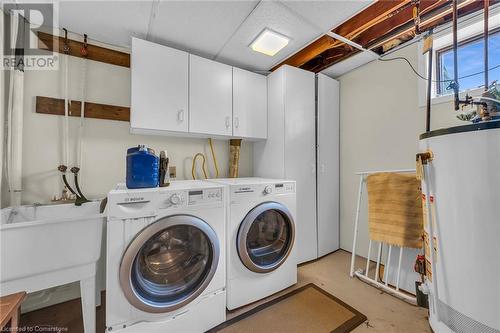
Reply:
x=249, y=104
x=210, y=97
x=159, y=92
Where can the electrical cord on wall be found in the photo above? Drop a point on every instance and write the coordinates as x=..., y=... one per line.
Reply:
x=437, y=81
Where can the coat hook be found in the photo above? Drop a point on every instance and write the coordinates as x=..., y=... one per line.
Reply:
x=84, y=50
x=66, y=44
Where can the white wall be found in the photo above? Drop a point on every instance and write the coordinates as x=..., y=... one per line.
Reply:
x=105, y=142
x=380, y=122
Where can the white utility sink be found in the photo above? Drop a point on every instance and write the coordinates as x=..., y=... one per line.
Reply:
x=43, y=246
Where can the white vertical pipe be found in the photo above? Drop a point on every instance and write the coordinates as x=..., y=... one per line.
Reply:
x=368, y=258
x=15, y=125
x=2, y=99
x=387, y=266
x=82, y=114
x=356, y=221
x=378, y=261
x=66, y=113
x=399, y=267
x=17, y=139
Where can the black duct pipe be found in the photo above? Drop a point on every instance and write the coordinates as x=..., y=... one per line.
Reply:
x=429, y=87
x=455, y=55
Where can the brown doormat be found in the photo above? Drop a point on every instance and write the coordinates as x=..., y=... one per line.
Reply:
x=307, y=309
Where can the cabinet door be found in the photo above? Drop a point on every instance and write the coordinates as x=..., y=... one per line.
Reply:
x=249, y=104
x=300, y=155
x=159, y=89
x=210, y=97
x=328, y=164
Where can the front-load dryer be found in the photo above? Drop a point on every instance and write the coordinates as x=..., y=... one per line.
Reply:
x=166, y=258
x=260, y=243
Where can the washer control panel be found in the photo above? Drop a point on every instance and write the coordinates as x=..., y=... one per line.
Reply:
x=173, y=199
x=138, y=203
x=204, y=196
x=284, y=188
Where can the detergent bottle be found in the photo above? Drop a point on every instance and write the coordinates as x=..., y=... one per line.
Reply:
x=142, y=167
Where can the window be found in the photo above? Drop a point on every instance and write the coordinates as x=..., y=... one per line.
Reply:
x=470, y=63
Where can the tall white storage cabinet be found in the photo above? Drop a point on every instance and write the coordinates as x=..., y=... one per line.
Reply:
x=298, y=148
x=328, y=182
x=159, y=91
x=289, y=151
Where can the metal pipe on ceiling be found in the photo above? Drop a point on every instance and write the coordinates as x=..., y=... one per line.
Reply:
x=486, y=36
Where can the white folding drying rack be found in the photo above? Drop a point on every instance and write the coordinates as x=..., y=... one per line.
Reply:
x=363, y=275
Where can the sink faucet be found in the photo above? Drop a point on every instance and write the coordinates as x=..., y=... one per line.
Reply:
x=65, y=196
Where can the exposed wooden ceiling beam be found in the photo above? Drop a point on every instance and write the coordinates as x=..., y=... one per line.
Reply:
x=369, y=17
x=430, y=20
x=320, y=45
x=360, y=21
x=380, y=27
x=392, y=23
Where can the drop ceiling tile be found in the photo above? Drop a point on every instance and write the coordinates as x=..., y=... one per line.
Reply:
x=106, y=21
x=350, y=64
x=326, y=15
x=200, y=27
x=213, y=29
x=276, y=17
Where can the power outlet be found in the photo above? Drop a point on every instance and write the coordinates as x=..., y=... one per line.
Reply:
x=172, y=172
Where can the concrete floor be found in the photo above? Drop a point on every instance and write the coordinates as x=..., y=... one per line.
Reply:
x=385, y=313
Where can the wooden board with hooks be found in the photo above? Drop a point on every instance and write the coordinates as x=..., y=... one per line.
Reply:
x=97, y=53
x=55, y=106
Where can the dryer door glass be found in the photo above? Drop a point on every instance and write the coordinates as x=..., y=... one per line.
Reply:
x=266, y=237
x=173, y=261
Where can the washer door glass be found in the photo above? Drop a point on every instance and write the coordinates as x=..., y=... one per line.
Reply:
x=172, y=263
x=266, y=237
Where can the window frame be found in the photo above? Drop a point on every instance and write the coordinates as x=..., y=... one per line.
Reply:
x=438, y=92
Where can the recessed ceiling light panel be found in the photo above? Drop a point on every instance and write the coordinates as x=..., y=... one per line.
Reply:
x=269, y=42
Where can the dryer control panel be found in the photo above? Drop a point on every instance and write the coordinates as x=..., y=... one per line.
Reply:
x=241, y=192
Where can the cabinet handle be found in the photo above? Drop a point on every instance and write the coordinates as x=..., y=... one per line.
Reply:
x=180, y=115
x=236, y=122
x=228, y=122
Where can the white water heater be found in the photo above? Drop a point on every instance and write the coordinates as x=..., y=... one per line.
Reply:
x=463, y=186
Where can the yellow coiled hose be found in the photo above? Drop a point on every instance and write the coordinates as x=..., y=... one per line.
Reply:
x=193, y=166
x=203, y=164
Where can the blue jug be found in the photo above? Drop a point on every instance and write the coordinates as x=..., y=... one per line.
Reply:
x=142, y=167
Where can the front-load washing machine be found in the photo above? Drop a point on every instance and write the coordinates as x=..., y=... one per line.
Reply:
x=260, y=238
x=166, y=258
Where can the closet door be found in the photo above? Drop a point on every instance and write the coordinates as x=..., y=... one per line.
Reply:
x=249, y=104
x=300, y=155
x=328, y=164
x=210, y=97
x=159, y=87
